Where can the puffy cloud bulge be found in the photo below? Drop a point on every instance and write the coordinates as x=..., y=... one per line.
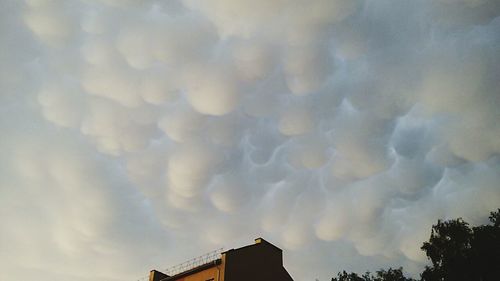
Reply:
x=136, y=134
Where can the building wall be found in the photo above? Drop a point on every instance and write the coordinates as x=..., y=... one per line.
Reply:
x=261, y=261
x=204, y=275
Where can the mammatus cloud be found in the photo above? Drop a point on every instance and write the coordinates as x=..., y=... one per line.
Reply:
x=137, y=134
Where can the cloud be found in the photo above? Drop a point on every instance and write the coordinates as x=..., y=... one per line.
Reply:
x=137, y=134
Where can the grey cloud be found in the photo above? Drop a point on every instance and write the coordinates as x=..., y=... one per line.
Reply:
x=136, y=134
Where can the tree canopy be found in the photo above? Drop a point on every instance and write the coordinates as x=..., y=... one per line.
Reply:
x=456, y=252
x=381, y=275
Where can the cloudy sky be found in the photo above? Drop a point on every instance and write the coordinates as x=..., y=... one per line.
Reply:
x=136, y=134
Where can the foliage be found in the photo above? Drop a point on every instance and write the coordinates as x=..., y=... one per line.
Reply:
x=448, y=249
x=344, y=276
x=456, y=252
x=381, y=275
x=391, y=275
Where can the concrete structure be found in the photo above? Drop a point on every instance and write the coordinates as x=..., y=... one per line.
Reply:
x=260, y=261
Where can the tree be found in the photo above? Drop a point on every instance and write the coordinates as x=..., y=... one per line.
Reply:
x=485, y=250
x=391, y=275
x=344, y=276
x=381, y=275
x=448, y=249
x=458, y=252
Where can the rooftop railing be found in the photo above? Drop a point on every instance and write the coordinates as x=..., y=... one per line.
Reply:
x=190, y=264
x=195, y=262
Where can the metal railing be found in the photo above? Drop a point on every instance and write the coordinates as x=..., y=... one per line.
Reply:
x=194, y=262
x=190, y=264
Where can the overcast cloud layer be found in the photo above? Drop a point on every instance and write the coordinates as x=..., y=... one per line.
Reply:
x=137, y=134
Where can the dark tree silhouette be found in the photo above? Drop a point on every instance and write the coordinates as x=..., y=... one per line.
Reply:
x=381, y=275
x=344, y=276
x=391, y=275
x=456, y=252
x=448, y=249
x=485, y=247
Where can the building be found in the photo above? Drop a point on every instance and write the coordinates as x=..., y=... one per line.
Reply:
x=260, y=261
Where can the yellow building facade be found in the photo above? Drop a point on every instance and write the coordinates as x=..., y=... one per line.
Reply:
x=260, y=261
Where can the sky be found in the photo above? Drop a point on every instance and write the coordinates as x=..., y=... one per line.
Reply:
x=136, y=134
